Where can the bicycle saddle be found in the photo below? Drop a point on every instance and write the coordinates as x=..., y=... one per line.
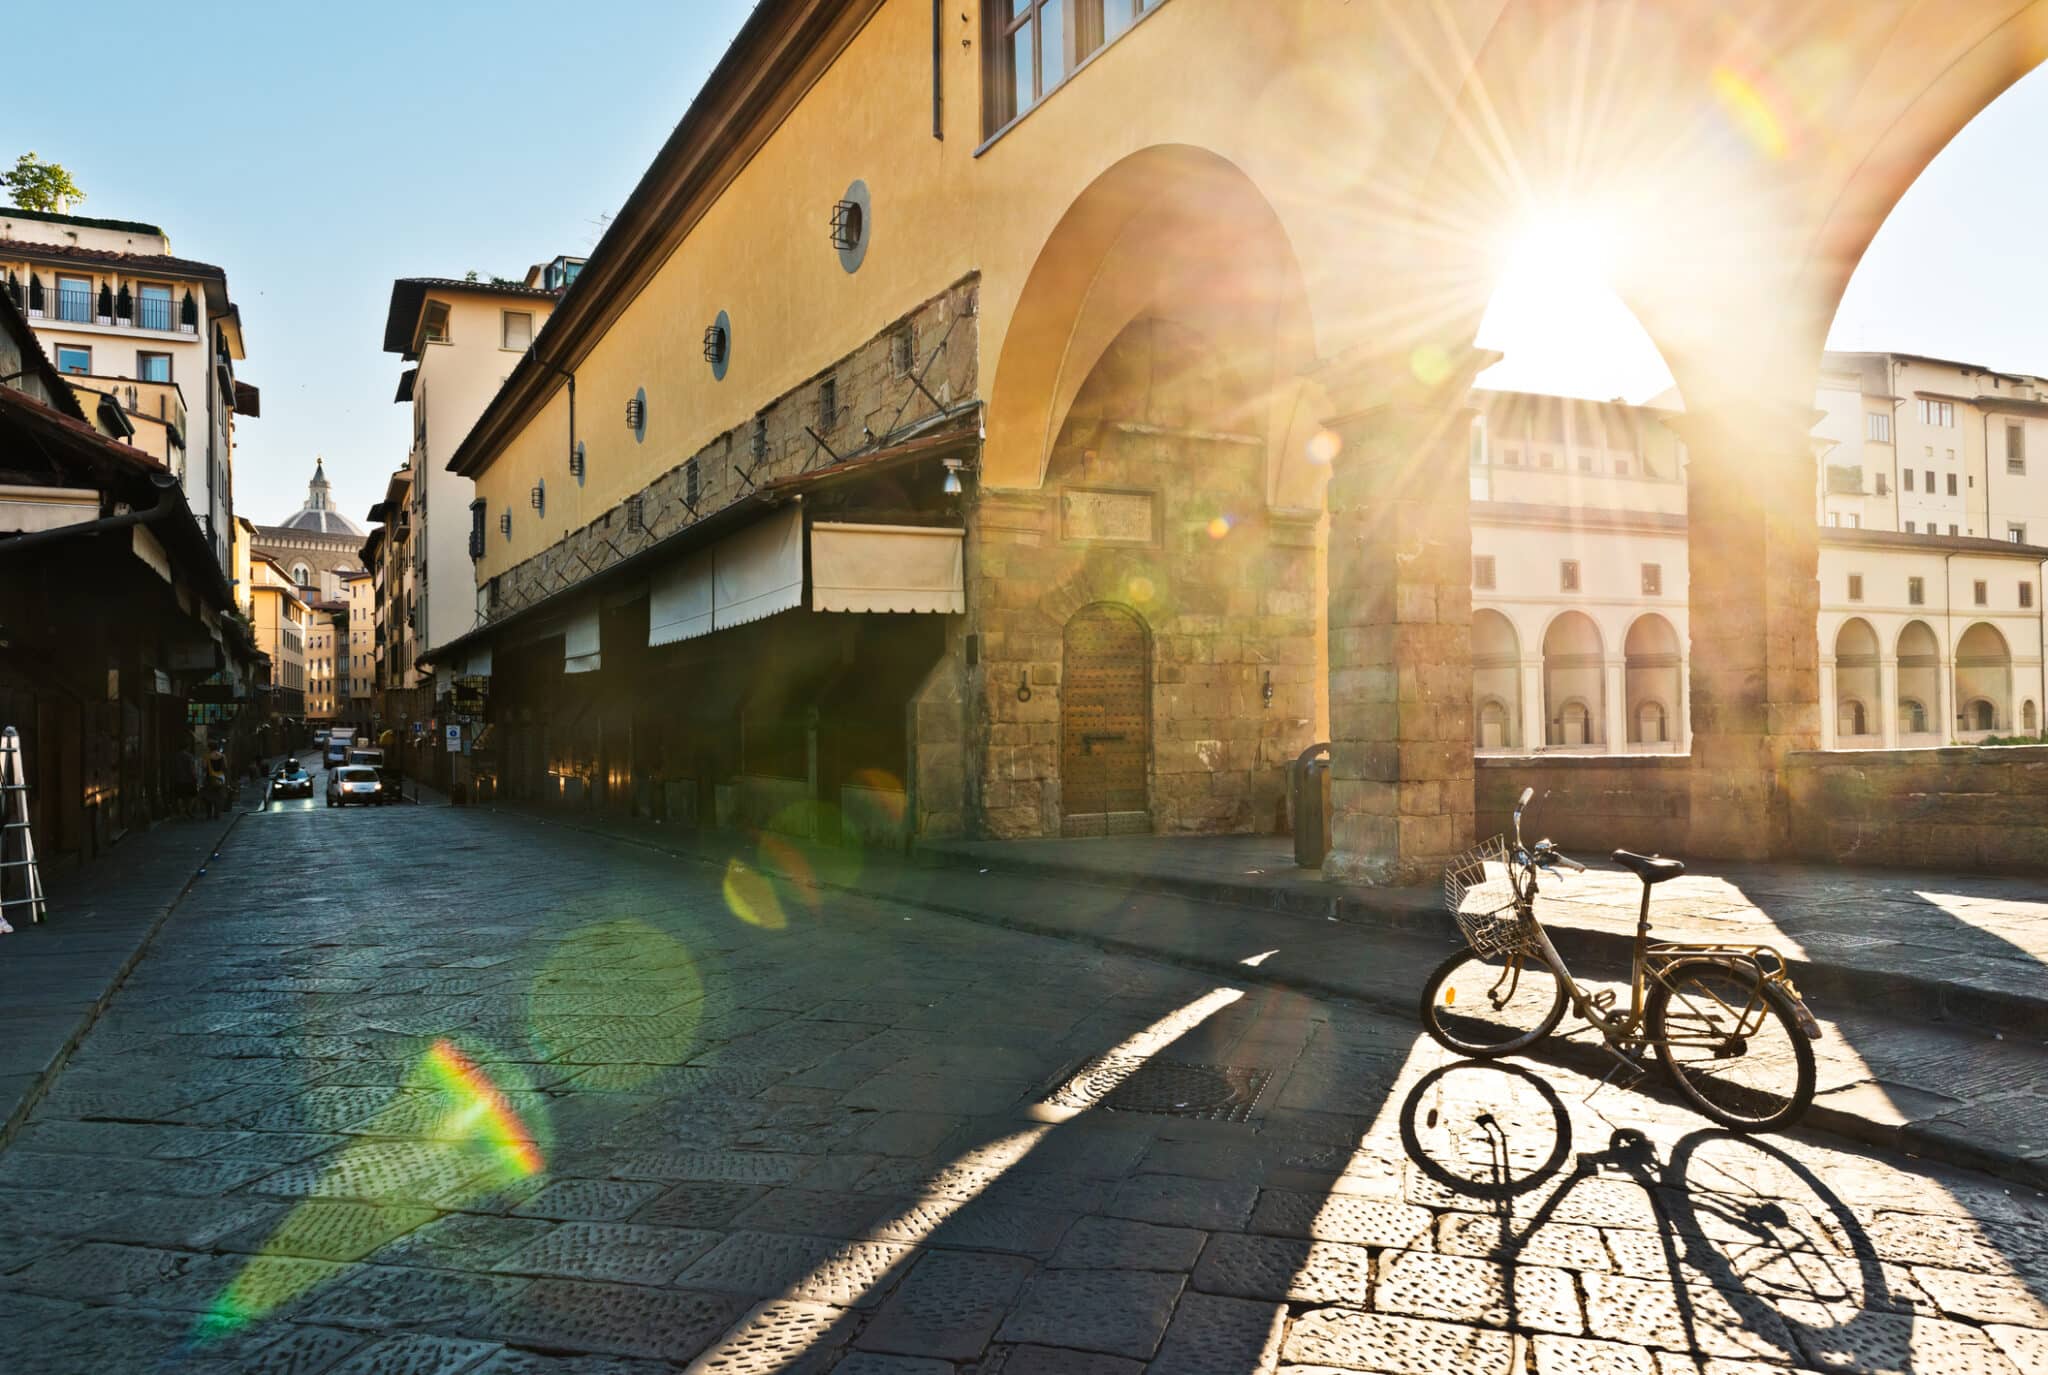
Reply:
x=1649, y=868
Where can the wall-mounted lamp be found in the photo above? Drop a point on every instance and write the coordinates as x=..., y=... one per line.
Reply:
x=538, y=498
x=952, y=486
x=576, y=463
x=505, y=524
x=1266, y=689
x=1023, y=684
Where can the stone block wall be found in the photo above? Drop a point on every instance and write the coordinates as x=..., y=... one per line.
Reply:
x=874, y=398
x=1225, y=586
x=1981, y=808
x=1590, y=804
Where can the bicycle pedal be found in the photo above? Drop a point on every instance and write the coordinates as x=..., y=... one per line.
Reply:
x=1623, y=1061
x=1604, y=1000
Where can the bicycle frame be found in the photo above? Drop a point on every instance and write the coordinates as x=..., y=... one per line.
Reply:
x=1648, y=960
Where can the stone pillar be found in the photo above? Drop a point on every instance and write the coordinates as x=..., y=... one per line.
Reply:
x=1754, y=599
x=1888, y=702
x=1829, y=727
x=1400, y=616
x=1534, y=732
x=1945, y=694
x=1683, y=726
x=1614, y=705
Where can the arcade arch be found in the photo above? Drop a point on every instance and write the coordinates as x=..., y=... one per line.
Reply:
x=1574, y=687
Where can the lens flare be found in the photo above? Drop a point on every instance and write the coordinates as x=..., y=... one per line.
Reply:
x=1430, y=364
x=1324, y=446
x=1141, y=589
x=469, y=1115
x=750, y=896
x=1750, y=110
x=481, y=1111
x=1219, y=526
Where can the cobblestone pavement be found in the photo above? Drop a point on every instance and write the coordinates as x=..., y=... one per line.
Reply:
x=421, y=1090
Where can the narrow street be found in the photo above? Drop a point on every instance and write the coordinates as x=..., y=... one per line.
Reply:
x=464, y=1092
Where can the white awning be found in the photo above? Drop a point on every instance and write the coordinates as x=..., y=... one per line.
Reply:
x=744, y=577
x=760, y=570
x=882, y=568
x=679, y=602
x=580, y=643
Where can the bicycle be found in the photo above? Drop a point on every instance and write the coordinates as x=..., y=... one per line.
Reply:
x=1730, y=1030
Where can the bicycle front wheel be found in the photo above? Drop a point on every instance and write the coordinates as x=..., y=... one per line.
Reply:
x=1730, y=1044
x=1486, y=1005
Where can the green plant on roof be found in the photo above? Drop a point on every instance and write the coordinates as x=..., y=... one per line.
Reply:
x=37, y=185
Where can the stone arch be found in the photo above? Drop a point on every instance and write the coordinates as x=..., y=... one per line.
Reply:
x=1574, y=682
x=1172, y=225
x=1983, y=666
x=1857, y=679
x=1919, y=655
x=1653, y=678
x=1496, y=679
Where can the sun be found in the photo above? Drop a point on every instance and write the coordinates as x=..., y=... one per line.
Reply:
x=1557, y=316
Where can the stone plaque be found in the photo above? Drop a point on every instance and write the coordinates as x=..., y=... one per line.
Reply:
x=1106, y=517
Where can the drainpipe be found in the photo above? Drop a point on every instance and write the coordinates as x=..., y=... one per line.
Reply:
x=163, y=482
x=938, y=91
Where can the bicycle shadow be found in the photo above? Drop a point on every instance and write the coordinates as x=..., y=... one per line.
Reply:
x=1718, y=1247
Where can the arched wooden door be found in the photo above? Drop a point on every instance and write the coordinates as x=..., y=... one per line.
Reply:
x=1105, y=724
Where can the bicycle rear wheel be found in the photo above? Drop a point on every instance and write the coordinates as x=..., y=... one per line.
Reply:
x=1486, y=1005
x=1731, y=1044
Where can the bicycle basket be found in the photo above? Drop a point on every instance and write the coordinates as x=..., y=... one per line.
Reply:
x=1480, y=895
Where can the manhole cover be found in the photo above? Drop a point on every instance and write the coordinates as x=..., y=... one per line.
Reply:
x=1124, y=1083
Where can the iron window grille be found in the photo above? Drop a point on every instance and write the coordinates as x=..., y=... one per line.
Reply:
x=538, y=498
x=714, y=344
x=847, y=223
x=636, y=513
x=636, y=409
x=505, y=524
x=828, y=403
x=690, y=484
x=759, y=440
x=901, y=352
x=1482, y=571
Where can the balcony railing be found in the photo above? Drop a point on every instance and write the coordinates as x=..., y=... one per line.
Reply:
x=80, y=306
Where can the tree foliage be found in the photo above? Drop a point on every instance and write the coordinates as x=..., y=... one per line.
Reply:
x=37, y=185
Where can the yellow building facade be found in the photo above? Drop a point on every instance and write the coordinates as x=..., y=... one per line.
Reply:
x=1180, y=297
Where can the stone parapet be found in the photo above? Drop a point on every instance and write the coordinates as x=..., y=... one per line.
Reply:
x=1969, y=807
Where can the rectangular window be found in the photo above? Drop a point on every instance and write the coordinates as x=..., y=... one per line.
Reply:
x=1835, y=518
x=1980, y=592
x=2016, y=449
x=1951, y=528
x=1568, y=575
x=1883, y=486
x=828, y=404
x=74, y=299
x=517, y=330
x=1912, y=529
x=2026, y=594
x=1929, y=475
x=436, y=328
x=1938, y=413
x=1855, y=521
x=1653, y=580
x=1546, y=459
x=1621, y=467
x=1511, y=455
x=1951, y=484
x=153, y=308
x=2016, y=533
x=1907, y=478
x=1877, y=426
x=1482, y=572
x=1855, y=587
x=74, y=358
x=1585, y=463
x=1916, y=591
x=153, y=367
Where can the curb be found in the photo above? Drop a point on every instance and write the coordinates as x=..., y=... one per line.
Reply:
x=26, y=1104
x=1898, y=994
x=1910, y=1138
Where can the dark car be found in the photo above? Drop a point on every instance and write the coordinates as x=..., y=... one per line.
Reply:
x=291, y=781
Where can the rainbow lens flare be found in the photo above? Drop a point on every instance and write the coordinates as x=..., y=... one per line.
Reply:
x=472, y=1114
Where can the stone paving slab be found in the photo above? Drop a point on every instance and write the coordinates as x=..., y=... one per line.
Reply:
x=1387, y=1209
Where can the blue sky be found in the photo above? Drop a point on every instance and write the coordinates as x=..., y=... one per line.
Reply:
x=381, y=141
x=316, y=159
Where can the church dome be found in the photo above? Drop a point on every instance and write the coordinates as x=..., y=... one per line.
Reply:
x=318, y=514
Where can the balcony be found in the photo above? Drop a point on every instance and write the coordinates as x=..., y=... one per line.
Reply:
x=70, y=304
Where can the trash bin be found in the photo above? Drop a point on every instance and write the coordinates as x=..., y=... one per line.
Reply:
x=1308, y=788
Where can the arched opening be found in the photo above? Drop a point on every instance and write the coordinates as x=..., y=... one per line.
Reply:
x=1653, y=677
x=1105, y=723
x=302, y=574
x=1919, y=685
x=2030, y=720
x=1574, y=690
x=1496, y=681
x=1983, y=681
x=1857, y=684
